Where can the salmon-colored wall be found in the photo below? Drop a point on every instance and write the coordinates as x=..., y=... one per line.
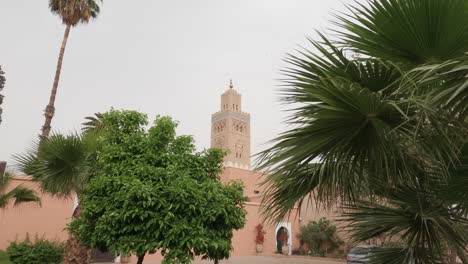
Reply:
x=51, y=218
x=311, y=212
x=48, y=219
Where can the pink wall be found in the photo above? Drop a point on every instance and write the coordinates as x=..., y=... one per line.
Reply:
x=48, y=219
x=51, y=218
x=310, y=212
x=244, y=240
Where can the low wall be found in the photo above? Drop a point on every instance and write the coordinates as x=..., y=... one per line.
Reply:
x=47, y=219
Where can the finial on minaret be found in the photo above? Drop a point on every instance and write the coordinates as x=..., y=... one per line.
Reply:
x=230, y=84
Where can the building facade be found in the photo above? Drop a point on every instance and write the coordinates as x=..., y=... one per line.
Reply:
x=230, y=130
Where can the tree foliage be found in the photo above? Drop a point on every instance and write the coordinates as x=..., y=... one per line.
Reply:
x=379, y=125
x=320, y=237
x=2, y=85
x=62, y=164
x=75, y=11
x=153, y=191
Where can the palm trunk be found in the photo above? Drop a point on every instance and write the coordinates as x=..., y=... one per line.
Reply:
x=50, y=108
x=75, y=252
x=140, y=258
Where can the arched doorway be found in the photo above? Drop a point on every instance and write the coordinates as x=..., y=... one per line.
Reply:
x=283, y=229
x=280, y=236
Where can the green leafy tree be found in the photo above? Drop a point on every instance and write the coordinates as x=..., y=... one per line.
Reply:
x=153, y=191
x=17, y=195
x=2, y=85
x=72, y=13
x=379, y=126
x=63, y=165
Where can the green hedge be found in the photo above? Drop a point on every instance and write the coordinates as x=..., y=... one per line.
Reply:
x=39, y=252
x=4, y=257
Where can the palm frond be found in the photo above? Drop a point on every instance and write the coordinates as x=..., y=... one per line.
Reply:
x=414, y=215
x=2, y=85
x=93, y=123
x=403, y=255
x=407, y=31
x=74, y=12
x=21, y=194
x=444, y=85
x=62, y=164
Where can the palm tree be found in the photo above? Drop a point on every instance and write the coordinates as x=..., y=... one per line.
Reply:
x=2, y=84
x=379, y=123
x=93, y=124
x=63, y=165
x=17, y=195
x=72, y=12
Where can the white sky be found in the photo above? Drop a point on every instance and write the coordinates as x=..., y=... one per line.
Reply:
x=168, y=57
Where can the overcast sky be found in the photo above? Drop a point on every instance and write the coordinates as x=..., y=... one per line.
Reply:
x=158, y=57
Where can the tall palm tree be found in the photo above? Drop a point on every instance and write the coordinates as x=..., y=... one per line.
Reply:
x=72, y=12
x=17, y=195
x=380, y=119
x=2, y=84
x=63, y=165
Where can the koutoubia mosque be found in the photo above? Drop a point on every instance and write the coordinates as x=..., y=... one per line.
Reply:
x=230, y=130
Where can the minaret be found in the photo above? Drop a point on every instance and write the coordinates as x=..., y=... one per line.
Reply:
x=230, y=130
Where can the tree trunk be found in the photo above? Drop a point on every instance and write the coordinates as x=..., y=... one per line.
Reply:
x=50, y=108
x=140, y=258
x=75, y=252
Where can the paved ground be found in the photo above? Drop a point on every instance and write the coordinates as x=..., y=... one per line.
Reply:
x=274, y=260
x=268, y=260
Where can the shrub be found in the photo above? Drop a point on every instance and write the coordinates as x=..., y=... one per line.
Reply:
x=4, y=257
x=319, y=237
x=39, y=252
x=260, y=237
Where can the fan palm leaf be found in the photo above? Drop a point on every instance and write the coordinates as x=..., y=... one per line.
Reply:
x=61, y=164
x=378, y=123
x=352, y=121
x=412, y=32
x=425, y=217
x=18, y=195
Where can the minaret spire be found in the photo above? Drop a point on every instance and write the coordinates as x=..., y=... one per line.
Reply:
x=230, y=84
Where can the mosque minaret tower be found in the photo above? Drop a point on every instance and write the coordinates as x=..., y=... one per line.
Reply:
x=230, y=130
